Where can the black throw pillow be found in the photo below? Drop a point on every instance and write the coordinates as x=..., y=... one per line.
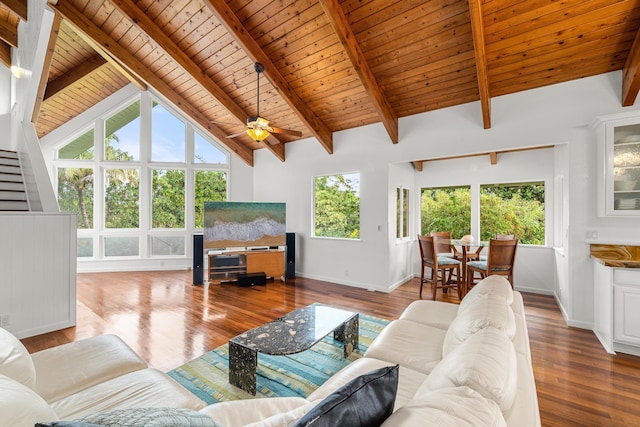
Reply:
x=365, y=401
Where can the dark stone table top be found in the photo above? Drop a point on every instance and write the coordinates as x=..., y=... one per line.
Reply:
x=294, y=332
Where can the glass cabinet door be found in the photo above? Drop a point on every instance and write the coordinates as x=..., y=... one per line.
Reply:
x=626, y=169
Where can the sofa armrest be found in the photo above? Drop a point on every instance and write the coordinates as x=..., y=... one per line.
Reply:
x=69, y=368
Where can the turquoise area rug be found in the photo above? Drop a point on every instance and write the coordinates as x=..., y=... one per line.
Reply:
x=294, y=375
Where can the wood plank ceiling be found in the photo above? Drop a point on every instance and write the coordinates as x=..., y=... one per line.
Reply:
x=330, y=65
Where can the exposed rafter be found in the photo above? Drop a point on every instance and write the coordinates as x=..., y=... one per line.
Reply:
x=631, y=74
x=493, y=156
x=19, y=7
x=5, y=54
x=138, y=18
x=341, y=26
x=58, y=85
x=9, y=33
x=46, y=66
x=477, y=28
x=233, y=25
x=98, y=38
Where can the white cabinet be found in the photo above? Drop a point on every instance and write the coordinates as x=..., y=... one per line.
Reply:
x=617, y=308
x=626, y=301
x=619, y=165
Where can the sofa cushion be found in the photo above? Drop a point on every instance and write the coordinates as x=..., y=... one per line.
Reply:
x=146, y=388
x=484, y=312
x=448, y=407
x=398, y=343
x=289, y=418
x=260, y=411
x=363, y=402
x=15, y=361
x=438, y=314
x=150, y=417
x=21, y=406
x=496, y=286
x=409, y=381
x=485, y=362
x=70, y=368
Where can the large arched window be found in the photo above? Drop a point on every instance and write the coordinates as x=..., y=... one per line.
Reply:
x=137, y=178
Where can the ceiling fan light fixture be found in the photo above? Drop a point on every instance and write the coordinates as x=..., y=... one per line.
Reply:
x=257, y=134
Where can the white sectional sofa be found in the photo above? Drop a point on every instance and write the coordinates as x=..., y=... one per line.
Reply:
x=467, y=364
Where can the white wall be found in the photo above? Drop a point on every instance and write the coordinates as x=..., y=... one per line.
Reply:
x=552, y=115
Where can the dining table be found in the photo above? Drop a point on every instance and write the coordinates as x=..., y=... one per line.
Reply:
x=465, y=246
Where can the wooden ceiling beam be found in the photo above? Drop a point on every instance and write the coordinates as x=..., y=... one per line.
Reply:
x=9, y=33
x=493, y=155
x=342, y=28
x=631, y=74
x=102, y=41
x=46, y=66
x=417, y=165
x=233, y=25
x=56, y=86
x=138, y=18
x=477, y=29
x=5, y=54
x=19, y=7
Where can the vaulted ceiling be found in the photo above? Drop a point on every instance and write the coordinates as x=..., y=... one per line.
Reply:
x=329, y=65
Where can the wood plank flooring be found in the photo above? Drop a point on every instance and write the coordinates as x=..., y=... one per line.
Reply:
x=168, y=322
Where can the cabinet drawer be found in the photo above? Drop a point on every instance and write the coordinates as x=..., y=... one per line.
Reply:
x=628, y=276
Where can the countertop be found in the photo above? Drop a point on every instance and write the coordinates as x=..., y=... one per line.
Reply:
x=617, y=256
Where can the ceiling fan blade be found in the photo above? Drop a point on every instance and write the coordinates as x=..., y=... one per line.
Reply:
x=244, y=132
x=286, y=131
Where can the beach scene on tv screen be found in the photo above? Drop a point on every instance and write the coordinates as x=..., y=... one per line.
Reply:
x=244, y=224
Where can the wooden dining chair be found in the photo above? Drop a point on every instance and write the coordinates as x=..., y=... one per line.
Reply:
x=442, y=240
x=502, y=256
x=499, y=236
x=439, y=267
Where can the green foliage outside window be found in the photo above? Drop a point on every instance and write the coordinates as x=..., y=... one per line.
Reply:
x=121, y=198
x=75, y=194
x=516, y=209
x=337, y=207
x=446, y=209
x=167, y=199
x=506, y=209
x=210, y=187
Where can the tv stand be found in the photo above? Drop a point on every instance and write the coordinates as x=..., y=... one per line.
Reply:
x=225, y=266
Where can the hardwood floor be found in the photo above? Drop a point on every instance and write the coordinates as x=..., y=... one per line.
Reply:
x=168, y=322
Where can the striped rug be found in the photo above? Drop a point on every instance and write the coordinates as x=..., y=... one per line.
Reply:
x=294, y=375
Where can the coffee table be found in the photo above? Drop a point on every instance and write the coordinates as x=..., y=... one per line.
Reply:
x=289, y=334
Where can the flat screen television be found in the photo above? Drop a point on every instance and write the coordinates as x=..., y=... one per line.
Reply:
x=244, y=224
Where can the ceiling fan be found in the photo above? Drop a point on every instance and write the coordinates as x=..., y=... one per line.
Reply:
x=258, y=127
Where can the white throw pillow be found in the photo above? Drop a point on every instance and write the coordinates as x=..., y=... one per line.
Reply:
x=486, y=362
x=496, y=286
x=484, y=312
x=15, y=360
x=21, y=406
x=448, y=407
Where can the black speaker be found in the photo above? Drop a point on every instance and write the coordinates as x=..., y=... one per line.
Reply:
x=290, y=270
x=198, y=259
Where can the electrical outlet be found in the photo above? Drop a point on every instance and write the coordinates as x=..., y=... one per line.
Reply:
x=5, y=320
